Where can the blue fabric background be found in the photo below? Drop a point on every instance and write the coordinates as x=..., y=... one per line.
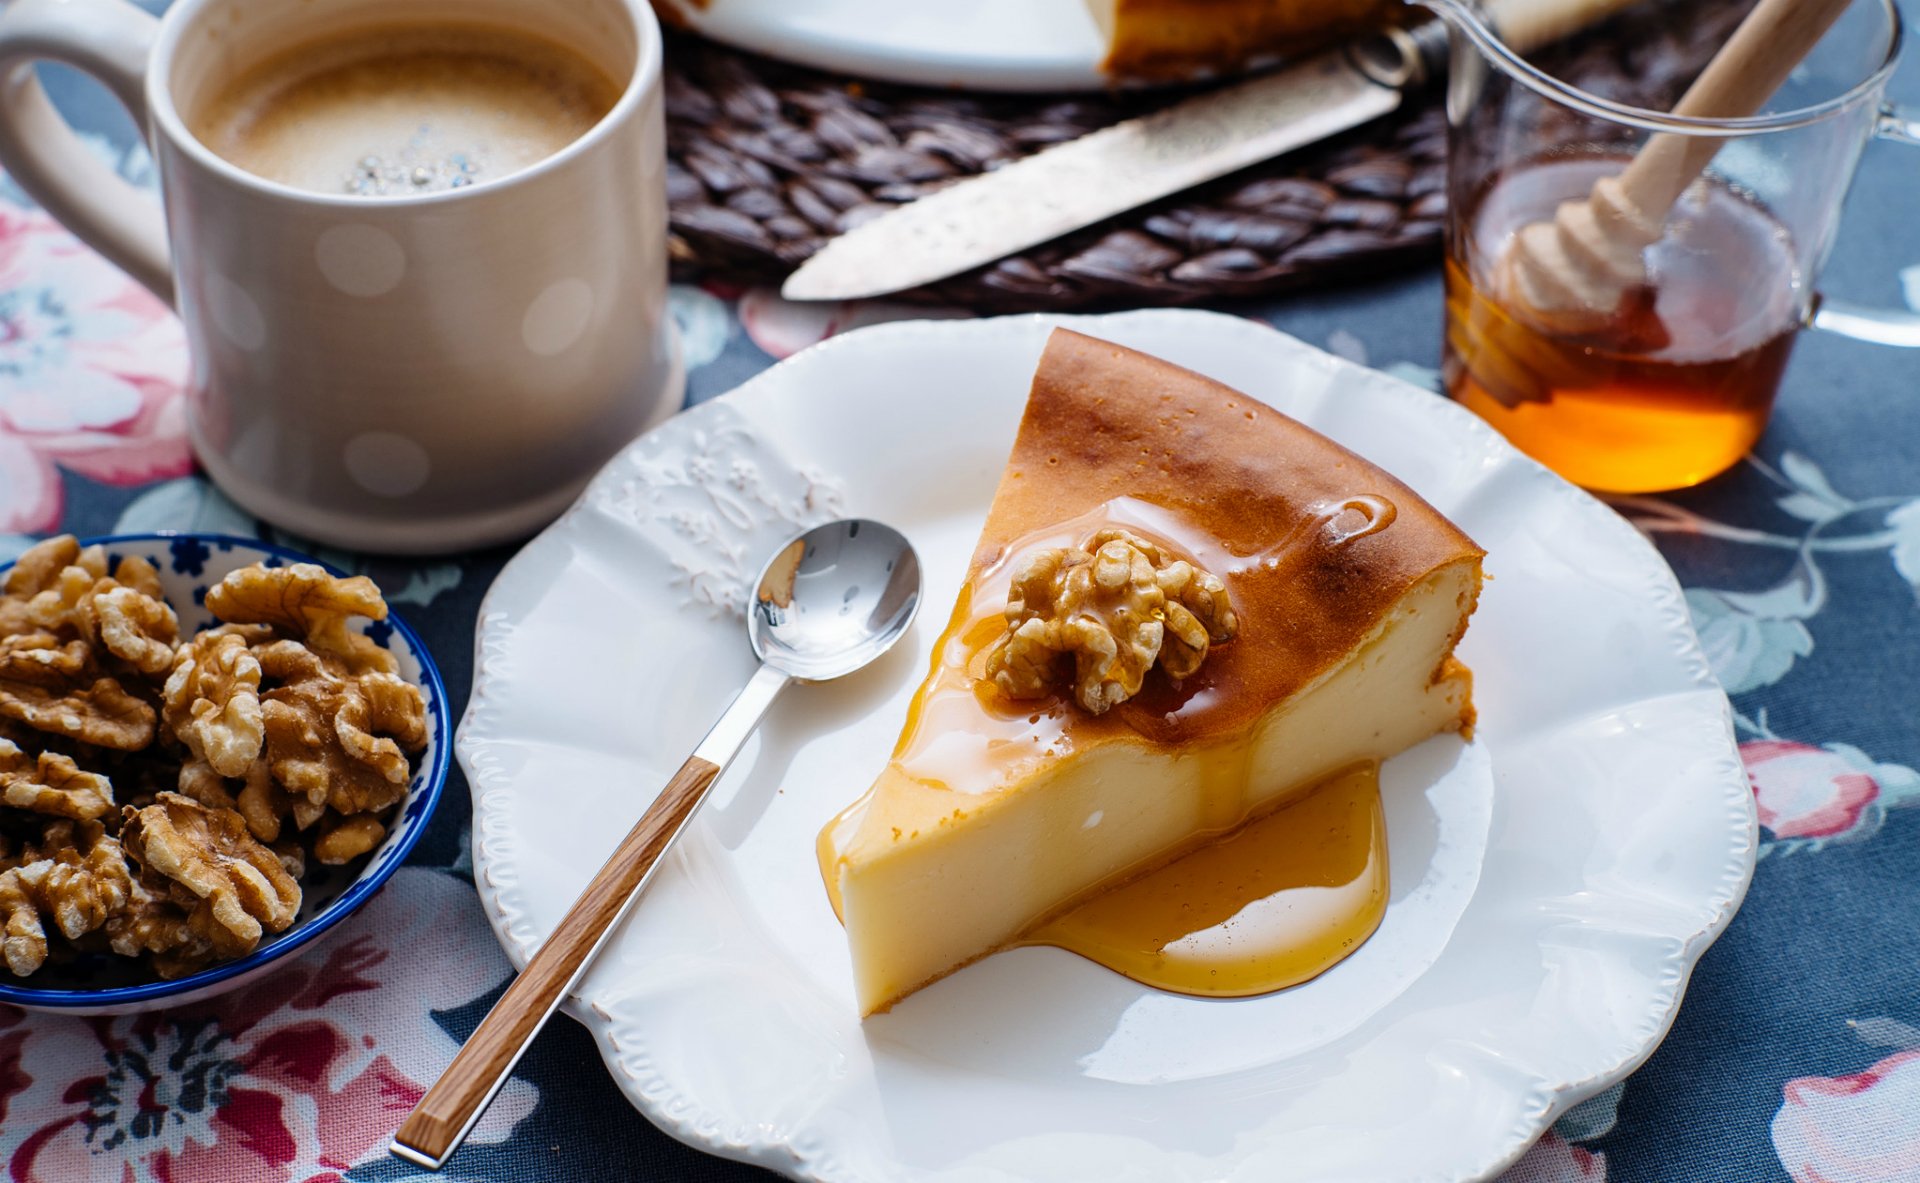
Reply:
x=1817, y=975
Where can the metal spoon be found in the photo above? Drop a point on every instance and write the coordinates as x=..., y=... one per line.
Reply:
x=828, y=603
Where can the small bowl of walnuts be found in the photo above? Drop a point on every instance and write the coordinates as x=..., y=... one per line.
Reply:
x=212, y=750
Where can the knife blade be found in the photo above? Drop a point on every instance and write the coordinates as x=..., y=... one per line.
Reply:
x=1063, y=188
x=1080, y=182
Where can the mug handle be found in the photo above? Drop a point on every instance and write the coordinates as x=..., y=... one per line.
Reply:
x=1882, y=326
x=110, y=40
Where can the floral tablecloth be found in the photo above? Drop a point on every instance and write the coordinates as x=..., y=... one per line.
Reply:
x=1796, y=1055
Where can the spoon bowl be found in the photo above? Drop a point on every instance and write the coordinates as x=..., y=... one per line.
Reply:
x=834, y=598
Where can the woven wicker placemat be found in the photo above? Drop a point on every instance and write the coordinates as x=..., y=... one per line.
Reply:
x=766, y=161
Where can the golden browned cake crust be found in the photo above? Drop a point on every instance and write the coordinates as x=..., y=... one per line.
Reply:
x=1178, y=38
x=1105, y=422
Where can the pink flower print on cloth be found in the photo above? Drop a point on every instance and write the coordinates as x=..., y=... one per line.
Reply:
x=1553, y=1159
x=1863, y=1128
x=782, y=328
x=1810, y=796
x=91, y=373
x=295, y=1078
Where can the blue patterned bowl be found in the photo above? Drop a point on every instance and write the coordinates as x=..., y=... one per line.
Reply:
x=189, y=564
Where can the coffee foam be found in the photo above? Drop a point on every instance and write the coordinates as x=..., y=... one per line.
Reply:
x=405, y=110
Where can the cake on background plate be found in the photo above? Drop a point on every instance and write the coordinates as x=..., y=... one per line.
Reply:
x=1182, y=38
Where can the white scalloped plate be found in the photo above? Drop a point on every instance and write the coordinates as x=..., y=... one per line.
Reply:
x=1554, y=881
x=1010, y=45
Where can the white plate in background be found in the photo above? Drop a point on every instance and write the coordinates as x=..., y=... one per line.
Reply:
x=1015, y=45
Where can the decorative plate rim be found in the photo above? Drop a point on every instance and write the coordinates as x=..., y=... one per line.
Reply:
x=683, y=1116
x=343, y=905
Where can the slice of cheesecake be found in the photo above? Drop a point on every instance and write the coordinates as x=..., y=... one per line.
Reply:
x=1151, y=39
x=1308, y=600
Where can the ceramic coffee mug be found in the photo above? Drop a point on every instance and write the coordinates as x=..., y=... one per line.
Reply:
x=406, y=374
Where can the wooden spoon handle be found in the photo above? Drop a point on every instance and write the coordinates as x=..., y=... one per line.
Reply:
x=441, y=1120
x=1527, y=25
x=1752, y=64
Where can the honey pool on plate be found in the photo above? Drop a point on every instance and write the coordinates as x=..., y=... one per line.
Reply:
x=1273, y=904
x=1677, y=387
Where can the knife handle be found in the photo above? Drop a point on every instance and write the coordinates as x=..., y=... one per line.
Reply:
x=1526, y=25
x=1404, y=57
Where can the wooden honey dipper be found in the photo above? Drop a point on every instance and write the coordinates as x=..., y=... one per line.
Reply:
x=1575, y=275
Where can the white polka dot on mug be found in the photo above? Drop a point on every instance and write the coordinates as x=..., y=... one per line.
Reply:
x=360, y=260
x=386, y=463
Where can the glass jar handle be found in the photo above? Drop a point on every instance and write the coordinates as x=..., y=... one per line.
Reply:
x=1882, y=326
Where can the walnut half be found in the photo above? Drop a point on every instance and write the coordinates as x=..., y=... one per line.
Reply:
x=1117, y=605
x=52, y=784
x=212, y=702
x=239, y=890
x=304, y=601
x=77, y=877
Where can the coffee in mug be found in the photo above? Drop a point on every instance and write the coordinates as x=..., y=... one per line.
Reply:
x=384, y=112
